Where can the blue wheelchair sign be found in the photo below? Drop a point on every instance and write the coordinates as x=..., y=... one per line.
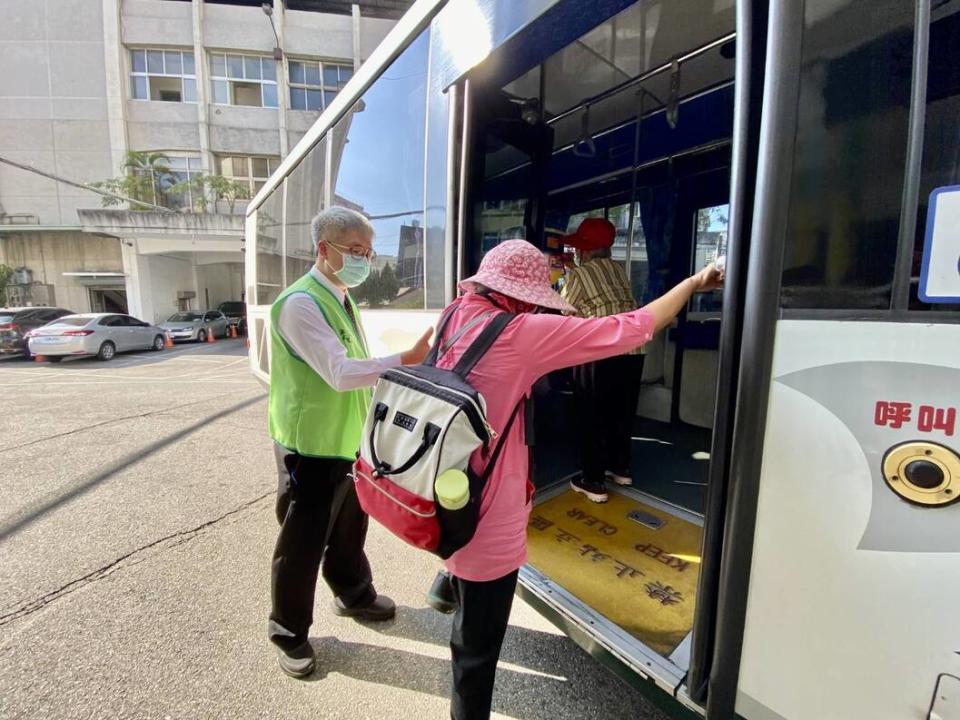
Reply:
x=940, y=272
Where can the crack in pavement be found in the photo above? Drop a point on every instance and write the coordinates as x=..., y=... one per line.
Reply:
x=75, y=431
x=42, y=506
x=173, y=540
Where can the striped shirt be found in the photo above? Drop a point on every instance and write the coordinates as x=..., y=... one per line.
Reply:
x=599, y=288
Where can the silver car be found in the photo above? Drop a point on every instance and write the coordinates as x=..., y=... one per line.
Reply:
x=196, y=325
x=99, y=334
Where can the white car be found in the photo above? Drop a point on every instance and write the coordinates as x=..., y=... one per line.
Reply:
x=196, y=325
x=94, y=334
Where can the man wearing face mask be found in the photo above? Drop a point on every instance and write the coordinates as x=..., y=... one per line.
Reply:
x=321, y=375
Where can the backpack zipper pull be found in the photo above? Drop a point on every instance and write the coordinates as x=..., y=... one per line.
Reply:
x=490, y=431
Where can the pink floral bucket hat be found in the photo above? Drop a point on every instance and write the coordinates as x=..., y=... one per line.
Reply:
x=518, y=270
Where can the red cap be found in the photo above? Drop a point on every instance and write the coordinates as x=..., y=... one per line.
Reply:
x=593, y=234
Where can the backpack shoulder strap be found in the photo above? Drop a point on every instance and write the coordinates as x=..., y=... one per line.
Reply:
x=434, y=353
x=479, y=347
x=492, y=463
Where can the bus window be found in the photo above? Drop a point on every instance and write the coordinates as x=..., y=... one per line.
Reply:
x=269, y=268
x=710, y=242
x=387, y=185
x=304, y=199
x=500, y=220
x=574, y=222
x=850, y=155
x=941, y=162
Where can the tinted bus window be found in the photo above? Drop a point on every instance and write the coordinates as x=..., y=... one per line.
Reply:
x=305, y=198
x=270, y=248
x=378, y=158
x=849, y=162
x=941, y=139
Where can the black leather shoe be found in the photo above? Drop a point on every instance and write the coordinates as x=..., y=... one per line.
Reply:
x=298, y=662
x=382, y=608
x=440, y=595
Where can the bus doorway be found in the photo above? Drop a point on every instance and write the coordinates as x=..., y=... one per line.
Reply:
x=631, y=122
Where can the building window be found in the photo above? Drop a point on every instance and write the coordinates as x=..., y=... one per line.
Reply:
x=163, y=75
x=253, y=171
x=247, y=80
x=314, y=84
x=184, y=169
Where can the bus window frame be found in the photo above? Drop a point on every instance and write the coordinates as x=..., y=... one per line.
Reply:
x=899, y=310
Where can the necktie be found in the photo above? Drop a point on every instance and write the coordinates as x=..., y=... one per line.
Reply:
x=353, y=318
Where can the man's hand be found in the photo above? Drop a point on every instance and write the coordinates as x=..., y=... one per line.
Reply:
x=418, y=353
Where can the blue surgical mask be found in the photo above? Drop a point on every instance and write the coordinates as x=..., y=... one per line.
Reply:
x=354, y=270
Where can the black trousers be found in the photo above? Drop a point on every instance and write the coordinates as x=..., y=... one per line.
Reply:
x=321, y=523
x=483, y=611
x=607, y=392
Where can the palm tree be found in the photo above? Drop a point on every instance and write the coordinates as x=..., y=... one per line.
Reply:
x=150, y=168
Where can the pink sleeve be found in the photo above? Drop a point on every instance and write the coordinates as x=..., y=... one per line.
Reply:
x=551, y=342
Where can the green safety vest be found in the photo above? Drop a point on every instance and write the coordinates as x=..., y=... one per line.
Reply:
x=306, y=414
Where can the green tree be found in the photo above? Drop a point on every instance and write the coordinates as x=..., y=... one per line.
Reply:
x=6, y=272
x=196, y=189
x=709, y=217
x=369, y=290
x=225, y=188
x=142, y=177
x=389, y=284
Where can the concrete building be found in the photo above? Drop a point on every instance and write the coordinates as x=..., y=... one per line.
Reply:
x=218, y=87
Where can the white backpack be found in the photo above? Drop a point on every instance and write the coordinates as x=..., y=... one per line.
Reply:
x=424, y=420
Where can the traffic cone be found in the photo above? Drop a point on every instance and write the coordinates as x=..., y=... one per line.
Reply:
x=210, y=335
x=167, y=340
x=233, y=332
x=39, y=358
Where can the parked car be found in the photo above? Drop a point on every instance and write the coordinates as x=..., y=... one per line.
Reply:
x=236, y=313
x=99, y=334
x=15, y=323
x=196, y=325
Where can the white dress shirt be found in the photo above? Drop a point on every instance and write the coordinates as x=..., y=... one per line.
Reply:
x=304, y=328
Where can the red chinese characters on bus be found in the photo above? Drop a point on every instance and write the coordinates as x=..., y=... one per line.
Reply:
x=892, y=414
x=929, y=419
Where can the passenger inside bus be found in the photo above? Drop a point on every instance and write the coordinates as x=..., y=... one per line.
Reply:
x=630, y=123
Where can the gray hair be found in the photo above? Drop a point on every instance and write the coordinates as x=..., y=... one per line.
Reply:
x=330, y=224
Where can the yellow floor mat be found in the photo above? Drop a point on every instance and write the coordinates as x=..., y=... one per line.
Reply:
x=641, y=578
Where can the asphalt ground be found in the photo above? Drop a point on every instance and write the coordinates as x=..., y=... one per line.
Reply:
x=136, y=529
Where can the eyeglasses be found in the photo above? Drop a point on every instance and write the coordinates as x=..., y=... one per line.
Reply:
x=357, y=251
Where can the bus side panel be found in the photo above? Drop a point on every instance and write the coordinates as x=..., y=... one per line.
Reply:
x=852, y=608
x=393, y=331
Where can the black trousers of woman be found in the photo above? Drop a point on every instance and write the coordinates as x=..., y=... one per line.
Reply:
x=479, y=625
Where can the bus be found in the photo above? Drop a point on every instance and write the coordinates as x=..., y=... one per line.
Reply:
x=790, y=546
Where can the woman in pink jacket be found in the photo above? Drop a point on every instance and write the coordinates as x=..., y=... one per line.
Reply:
x=514, y=277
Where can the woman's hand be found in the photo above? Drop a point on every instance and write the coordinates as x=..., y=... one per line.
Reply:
x=666, y=307
x=418, y=353
x=710, y=278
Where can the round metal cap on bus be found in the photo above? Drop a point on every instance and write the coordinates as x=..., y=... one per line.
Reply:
x=923, y=473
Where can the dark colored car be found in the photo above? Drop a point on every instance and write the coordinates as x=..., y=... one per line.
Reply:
x=15, y=323
x=236, y=313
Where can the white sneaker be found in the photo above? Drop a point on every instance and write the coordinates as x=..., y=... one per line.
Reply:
x=619, y=479
x=595, y=492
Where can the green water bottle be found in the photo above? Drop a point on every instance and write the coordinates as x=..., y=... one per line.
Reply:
x=456, y=514
x=452, y=489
